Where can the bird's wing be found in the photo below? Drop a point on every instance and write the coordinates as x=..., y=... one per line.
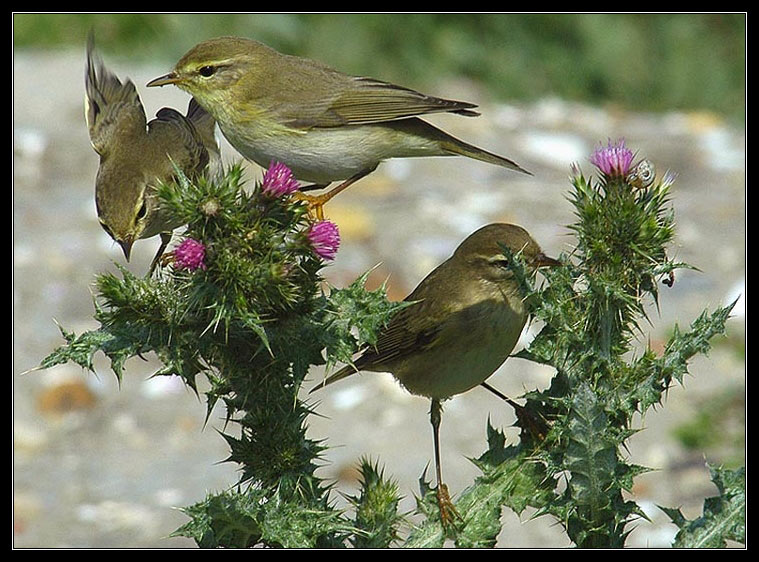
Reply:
x=374, y=101
x=405, y=335
x=205, y=124
x=110, y=106
x=176, y=136
x=412, y=329
x=415, y=327
x=397, y=340
x=324, y=97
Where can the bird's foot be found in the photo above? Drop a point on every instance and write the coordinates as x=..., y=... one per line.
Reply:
x=448, y=514
x=315, y=203
x=536, y=425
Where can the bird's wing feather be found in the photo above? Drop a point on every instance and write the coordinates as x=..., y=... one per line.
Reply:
x=341, y=99
x=374, y=101
x=411, y=330
x=393, y=344
x=109, y=104
x=400, y=340
x=175, y=135
x=206, y=126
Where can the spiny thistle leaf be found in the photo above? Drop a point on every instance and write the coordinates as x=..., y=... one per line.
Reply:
x=238, y=519
x=650, y=376
x=355, y=308
x=511, y=477
x=724, y=516
x=81, y=350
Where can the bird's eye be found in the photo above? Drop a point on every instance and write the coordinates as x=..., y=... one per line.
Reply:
x=143, y=211
x=206, y=71
x=501, y=262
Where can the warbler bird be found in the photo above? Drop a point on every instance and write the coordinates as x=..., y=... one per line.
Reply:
x=136, y=155
x=326, y=126
x=465, y=318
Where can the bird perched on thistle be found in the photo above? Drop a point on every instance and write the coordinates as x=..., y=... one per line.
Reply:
x=326, y=126
x=136, y=155
x=467, y=317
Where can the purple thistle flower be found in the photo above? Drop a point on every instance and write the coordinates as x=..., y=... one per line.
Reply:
x=614, y=159
x=190, y=255
x=279, y=181
x=324, y=238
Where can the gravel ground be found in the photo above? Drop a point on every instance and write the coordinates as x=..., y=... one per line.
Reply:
x=98, y=465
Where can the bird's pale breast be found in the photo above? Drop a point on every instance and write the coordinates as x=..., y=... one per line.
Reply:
x=324, y=155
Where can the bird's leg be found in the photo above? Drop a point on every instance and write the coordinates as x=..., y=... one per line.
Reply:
x=538, y=428
x=313, y=187
x=165, y=239
x=502, y=396
x=316, y=202
x=448, y=511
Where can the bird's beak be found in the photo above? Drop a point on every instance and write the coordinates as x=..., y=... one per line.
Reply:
x=126, y=246
x=170, y=78
x=542, y=260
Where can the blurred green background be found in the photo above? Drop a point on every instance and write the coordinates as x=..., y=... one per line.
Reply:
x=638, y=61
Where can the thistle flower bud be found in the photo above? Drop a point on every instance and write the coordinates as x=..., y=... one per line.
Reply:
x=190, y=255
x=324, y=238
x=614, y=160
x=279, y=181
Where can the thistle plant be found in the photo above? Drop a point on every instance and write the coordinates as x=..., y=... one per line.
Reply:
x=593, y=310
x=241, y=301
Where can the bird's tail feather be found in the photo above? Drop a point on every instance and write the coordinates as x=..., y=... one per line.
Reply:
x=346, y=371
x=460, y=148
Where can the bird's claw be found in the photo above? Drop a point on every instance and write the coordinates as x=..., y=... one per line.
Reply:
x=315, y=203
x=538, y=427
x=448, y=514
